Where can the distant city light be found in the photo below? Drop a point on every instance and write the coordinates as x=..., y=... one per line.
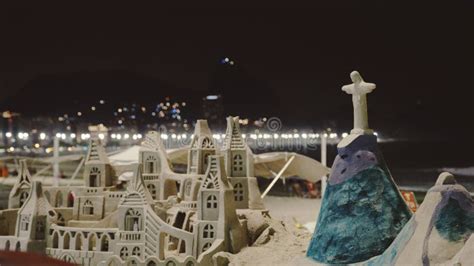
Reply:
x=212, y=97
x=42, y=136
x=93, y=108
x=79, y=113
x=8, y=134
x=23, y=135
x=101, y=101
x=85, y=136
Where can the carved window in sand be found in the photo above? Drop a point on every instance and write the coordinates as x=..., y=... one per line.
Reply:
x=207, y=143
x=94, y=177
x=150, y=164
x=124, y=253
x=136, y=251
x=25, y=222
x=208, y=231
x=23, y=197
x=212, y=181
x=238, y=163
x=187, y=188
x=152, y=189
x=55, y=240
x=40, y=228
x=104, y=243
x=88, y=208
x=211, y=202
x=133, y=220
x=238, y=192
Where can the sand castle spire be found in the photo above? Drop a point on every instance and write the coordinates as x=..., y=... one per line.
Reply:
x=96, y=151
x=359, y=88
x=136, y=190
x=202, y=145
x=233, y=137
x=21, y=188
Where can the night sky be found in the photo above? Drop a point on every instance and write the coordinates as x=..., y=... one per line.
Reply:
x=289, y=62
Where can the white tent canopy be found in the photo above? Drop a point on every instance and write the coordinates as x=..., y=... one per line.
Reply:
x=266, y=164
x=127, y=156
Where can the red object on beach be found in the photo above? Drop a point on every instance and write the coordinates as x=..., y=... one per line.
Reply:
x=4, y=172
x=409, y=197
x=28, y=258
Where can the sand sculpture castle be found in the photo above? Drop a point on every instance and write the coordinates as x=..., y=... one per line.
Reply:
x=159, y=218
x=364, y=220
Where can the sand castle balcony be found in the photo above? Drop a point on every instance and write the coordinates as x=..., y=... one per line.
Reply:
x=131, y=235
x=150, y=177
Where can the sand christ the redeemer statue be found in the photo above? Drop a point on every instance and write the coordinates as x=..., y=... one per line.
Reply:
x=359, y=89
x=362, y=210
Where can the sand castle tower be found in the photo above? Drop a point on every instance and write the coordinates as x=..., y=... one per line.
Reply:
x=202, y=145
x=33, y=221
x=362, y=210
x=217, y=218
x=154, y=162
x=97, y=169
x=21, y=189
x=236, y=162
x=239, y=166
